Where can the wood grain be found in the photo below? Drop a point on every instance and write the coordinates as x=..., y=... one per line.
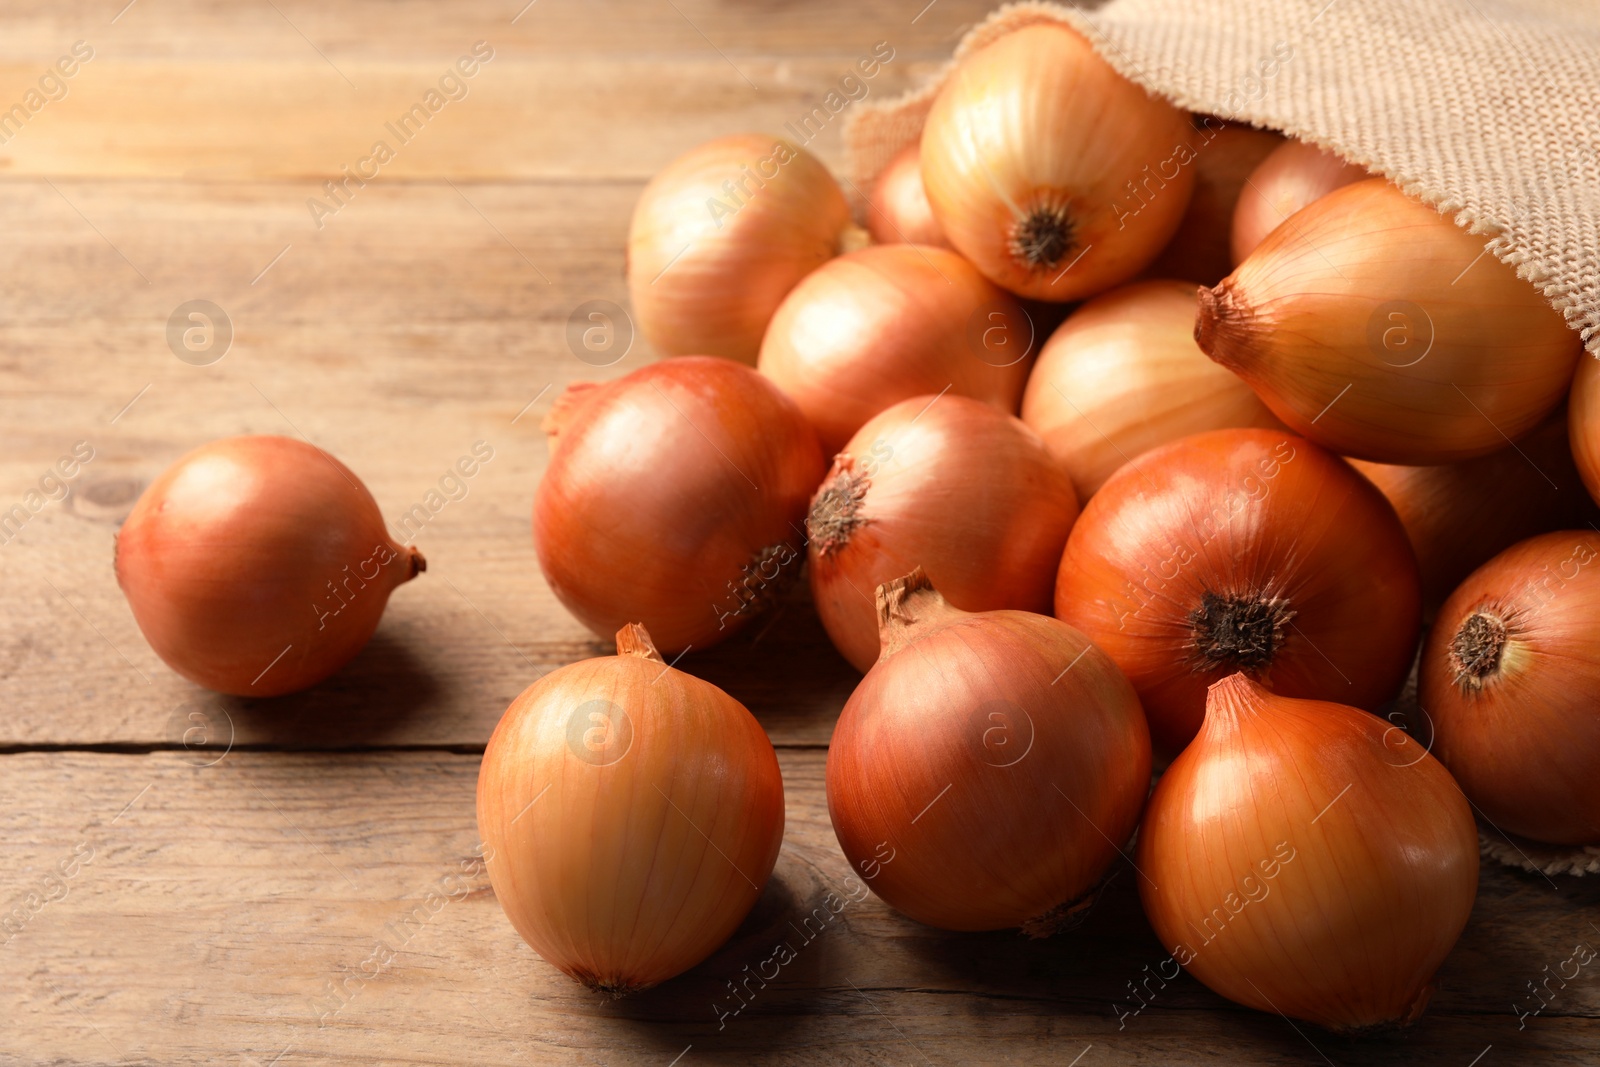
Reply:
x=219, y=902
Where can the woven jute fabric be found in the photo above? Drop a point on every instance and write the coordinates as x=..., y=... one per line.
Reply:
x=1488, y=110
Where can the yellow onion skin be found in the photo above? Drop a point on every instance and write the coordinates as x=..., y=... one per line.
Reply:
x=1378, y=329
x=259, y=565
x=1459, y=515
x=948, y=484
x=631, y=813
x=675, y=495
x=716, y=244
x=1307, y=858
x=1510, y=680
x=1123, y=375
x=1583, y=422
x=1053, y=174
x=898, y=211
x=986, y=769
x=1288, y=179
x=883, y=324
x=1225, y=156
x=1245, y=550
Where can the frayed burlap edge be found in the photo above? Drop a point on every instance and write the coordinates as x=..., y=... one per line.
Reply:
x=1535, y=858
x=879, y=129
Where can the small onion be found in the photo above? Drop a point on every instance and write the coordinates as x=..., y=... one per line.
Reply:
x=1242, y=550
x=1053, y=173
x=988, y=767
x=898, y=209
x=1225, y=155
x=878, y=326
x=1510, y=680
x=1378, y=329
x=722, y=234
x=1458, y=515
x=947, y=484
x=1287, y=180
x=1123, y=375
x=1306, y=858
x=258, y=566
x=675, y=495
x=663, y=822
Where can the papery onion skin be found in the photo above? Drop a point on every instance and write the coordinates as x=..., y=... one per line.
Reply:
x=1458, y=515
x=1583, y=422
x=948, y=484
x=1306, y=858
x=720, y=236
x=1055, y=175
x=1225, y=154
x=1242, y=550
x=1510, y=679
x=984, y=773
x=1294, y=175
x=1375, y=327
x=258, y=565
x=675, y=495
x=877, y=326
x=898, y=211
x=1123, y=375
x=632, y=813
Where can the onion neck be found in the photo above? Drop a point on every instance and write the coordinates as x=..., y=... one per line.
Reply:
x=1477, y=649
x=1221, y=322
x=1232, y=699
x=416, y=562
x=852, y=238
x=907, y=607
x=634, y=640
x=564, y=411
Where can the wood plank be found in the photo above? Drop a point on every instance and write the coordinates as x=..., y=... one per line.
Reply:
x=220, y=900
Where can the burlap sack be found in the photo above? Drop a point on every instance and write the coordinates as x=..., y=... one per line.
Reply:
x=1487, y=109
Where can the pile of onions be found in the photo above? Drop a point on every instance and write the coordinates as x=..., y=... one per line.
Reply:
x=663, y=822
x=1377, y=328
x=1294, y=175
x=1305, y=858
x=258, y=566
x=1242, y=550
x=675, y=496
x=948, y=484
x=1510, y=679
x=1583, y=422
x=1225, y=157
x=1052, y=173
x=887, y=323
x=987, y=767
x=898, y=210
x=1458, y=515
x=720, y=236
x=1123, y=375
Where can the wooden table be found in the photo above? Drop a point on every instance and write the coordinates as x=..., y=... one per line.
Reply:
x=230, y=860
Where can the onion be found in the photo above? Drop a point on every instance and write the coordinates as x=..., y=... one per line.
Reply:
x=722, y=234
x=1224, y=158
x=878, y=326
x=1458, y=515
x=1054, y=174
x=1510, y=679
x=1305, y=858
x=1294, y=175
x=1378, y=329
x=258, y=566
x=1242, y=550
x=899, y=212
x=664, y=819
x=988, y=767
x=947, y=484
x=1583, y=422
x=675, y=495
x=1123, y=375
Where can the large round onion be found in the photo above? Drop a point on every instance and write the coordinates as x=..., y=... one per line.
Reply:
x=886, y=323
